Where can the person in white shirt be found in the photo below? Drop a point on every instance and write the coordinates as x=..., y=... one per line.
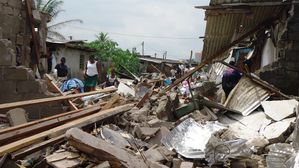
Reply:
x=92, y=73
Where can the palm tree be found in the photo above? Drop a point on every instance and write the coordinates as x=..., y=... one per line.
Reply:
x=53, y=8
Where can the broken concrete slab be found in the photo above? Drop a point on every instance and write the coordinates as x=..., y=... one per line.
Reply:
x=160, y=123
x=281, y=109
x=17, y=116
x=103, y=165
x=145, y=132
x=256, y=120
x=275, y=131
x=156, y=140
x=176, y=163
x=124, y=89
x=102, y=150
x=64, y=159
x=186, y=165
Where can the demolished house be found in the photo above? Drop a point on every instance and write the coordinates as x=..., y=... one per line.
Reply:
x=187, y=124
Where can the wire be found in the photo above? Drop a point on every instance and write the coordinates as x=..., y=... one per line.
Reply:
x=138, y=35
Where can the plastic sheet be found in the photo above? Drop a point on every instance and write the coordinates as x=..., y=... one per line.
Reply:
x=189, y=139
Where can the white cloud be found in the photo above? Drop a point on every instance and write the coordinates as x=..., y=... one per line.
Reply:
x=171, y=18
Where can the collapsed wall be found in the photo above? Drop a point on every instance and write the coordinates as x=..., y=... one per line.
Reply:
x=284, y=73
x=18, y=83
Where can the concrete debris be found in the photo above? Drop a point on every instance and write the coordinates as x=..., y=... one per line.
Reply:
x=17, y=116
x=145, y=132
x=103, y=165
x=275, y=132
x=279, y=110
x=102, y=150
x=64, y=159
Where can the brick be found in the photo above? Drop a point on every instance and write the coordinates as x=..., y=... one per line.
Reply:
x=29, y=87
x=8, y=87
x=15, y=3
x=18, y=73
x=7, y=10
x=6, y=53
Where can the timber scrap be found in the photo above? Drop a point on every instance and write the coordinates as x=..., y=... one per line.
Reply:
x=19, y=140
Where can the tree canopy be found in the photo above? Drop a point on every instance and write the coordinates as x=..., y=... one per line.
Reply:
x=107, y=49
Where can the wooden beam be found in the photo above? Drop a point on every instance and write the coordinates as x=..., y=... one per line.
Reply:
x=57, y=90
x=52, y=99
x=9, y=129
x=15, y=146
x=38, y=147
x=260, y=26
x=43, y=126
x=28, y=4
x=158, y=70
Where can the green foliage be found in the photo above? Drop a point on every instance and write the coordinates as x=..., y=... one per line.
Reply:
x=107, y=49
x=52, y=7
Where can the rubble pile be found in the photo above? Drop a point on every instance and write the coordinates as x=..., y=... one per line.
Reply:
x=144, y=126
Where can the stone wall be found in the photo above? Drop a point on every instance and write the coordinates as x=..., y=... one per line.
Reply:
x=14, y=28
x=284, y=73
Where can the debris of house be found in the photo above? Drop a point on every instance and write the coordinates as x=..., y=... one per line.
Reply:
x=153, y=121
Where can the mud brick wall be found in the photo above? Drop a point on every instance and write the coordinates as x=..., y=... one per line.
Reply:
x=284, y=73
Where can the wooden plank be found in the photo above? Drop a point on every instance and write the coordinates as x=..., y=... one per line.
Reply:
x=28, y=4
x=38, y=147
x=43, y=126
x=260, y=26
x=57, y=90
x=113, y=100
x=6, y=130
x=15, y=146
x=102, y=150
x=52, y=99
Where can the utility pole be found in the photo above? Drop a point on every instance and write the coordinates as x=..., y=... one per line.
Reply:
x=142, y=48
x=191, y=54
x=155, y=55
x=134, y=50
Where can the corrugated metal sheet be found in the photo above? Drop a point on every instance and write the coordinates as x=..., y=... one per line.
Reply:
x=222, y=24
x=218, y=2
x=246, y=96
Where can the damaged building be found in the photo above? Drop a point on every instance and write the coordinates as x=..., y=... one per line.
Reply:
x=150, y=121
x=263, y=31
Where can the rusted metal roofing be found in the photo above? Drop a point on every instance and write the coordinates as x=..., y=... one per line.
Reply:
x=220, y=2
x=222, y=24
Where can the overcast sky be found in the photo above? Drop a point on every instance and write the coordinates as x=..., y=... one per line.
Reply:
x=164, y=25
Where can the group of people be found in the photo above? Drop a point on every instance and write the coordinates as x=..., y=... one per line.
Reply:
x=92, y=72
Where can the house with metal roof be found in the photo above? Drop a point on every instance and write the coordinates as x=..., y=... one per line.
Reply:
x=264, y=31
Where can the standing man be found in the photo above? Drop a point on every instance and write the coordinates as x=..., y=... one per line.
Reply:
x=62, y=70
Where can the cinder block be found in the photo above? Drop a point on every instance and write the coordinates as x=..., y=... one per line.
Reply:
x=186, y=165
x=15, y=4
x=18, y=73
x=8, y=87
x=29, y=87
x=7, y=10
x=10, y=97
x=17, y=116
x=6, y=53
